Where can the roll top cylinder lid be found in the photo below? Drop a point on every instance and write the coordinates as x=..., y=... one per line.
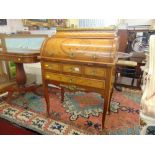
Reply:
x=81, y=45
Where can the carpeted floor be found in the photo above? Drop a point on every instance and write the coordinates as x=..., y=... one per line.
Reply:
x=78, y=112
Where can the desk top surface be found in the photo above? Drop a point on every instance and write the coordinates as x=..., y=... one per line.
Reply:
x=21, y=49
x=23, y=45
x=22, y=52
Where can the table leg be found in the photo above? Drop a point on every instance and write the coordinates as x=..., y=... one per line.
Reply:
x=21, y=87
x=110, y=102
x=46, y=94
x=62, y=94
x=10, y=93
x=106, y=105
x=20, y=75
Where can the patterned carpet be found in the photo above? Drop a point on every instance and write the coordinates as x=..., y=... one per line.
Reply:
x=78, y=112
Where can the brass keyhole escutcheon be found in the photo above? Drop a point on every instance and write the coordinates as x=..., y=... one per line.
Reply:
x=93, y=72
x=94, y=56
x=71, y=80
x=72, y=55
x=72, y=69
x=51, y=54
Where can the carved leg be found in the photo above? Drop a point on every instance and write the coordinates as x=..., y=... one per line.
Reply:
x=9, y=97
x=110, y=102
x=20, y=74
x=62, y=94
x=46, y=94
x=105, y=109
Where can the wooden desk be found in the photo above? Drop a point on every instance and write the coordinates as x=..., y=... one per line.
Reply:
x=19, y=59
x=80, y=61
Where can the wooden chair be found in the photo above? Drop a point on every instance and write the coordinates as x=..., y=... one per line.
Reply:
x=131, y=70
x=5, y=81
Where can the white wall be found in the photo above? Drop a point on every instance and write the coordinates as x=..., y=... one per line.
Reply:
x=12, y=26
x=132, y=22
x=124, y=23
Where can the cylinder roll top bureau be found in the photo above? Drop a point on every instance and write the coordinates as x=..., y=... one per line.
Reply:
x=80, y=60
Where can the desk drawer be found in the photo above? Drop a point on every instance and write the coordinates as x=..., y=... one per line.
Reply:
x=94, y=71
x=52, y=66
x=72, y=69
x=75, y=80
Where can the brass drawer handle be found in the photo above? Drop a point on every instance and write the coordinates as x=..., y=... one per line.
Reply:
x=19, y=59
x=46, y=65
x=72, y=69
x=47, y=76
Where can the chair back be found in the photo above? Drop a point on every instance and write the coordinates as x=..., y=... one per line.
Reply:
x=1, y=68
x=5, y=82
x=3, y=72
x=1, y=50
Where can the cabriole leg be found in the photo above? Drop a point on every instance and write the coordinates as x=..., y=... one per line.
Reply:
x=46, y=94
x=105, y=109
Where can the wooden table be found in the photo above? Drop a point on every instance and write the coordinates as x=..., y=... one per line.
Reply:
x=19, y=59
